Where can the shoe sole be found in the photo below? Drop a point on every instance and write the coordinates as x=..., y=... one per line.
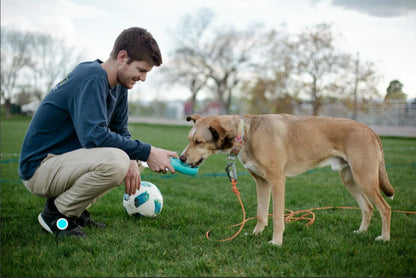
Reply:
x=43, y=223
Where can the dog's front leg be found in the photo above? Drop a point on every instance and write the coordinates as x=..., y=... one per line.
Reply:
x=263, y=203
x=278, y=191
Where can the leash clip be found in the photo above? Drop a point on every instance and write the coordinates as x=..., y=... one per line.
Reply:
x=231, y=169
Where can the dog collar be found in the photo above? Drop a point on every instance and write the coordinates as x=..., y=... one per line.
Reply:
x=238, y=140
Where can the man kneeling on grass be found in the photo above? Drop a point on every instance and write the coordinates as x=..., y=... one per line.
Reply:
x=78, y=146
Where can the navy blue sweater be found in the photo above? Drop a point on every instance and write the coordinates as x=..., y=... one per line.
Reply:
x=82, y=111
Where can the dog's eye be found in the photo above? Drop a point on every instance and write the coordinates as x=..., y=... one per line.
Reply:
x=197, y=142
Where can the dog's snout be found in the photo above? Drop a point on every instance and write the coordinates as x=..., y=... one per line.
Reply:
x=182, y=158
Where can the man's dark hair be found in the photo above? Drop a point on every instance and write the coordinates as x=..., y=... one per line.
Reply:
x=139, y=45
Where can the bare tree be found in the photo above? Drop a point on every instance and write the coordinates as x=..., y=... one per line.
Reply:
x=273, y=90
x=32, y=63
x=185, y=66
x=51, y=60
x=356, y=84
x=318, y=62
x=308, y=63
x=15, y=55
x=213, y=59
x=228, y=60
x=365, y=82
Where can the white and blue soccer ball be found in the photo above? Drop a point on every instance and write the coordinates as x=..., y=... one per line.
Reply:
x=147, y=202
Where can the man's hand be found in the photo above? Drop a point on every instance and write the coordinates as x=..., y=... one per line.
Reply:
x=132, y=180
x=158, y=160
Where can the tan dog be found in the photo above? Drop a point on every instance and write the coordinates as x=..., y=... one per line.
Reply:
x=278, y=146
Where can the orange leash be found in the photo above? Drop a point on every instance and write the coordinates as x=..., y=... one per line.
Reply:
x=290, y=216
x=235, y=190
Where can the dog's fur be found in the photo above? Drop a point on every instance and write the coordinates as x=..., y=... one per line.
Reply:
x=280, y=146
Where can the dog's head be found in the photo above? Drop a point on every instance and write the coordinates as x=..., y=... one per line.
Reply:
x=208, y=136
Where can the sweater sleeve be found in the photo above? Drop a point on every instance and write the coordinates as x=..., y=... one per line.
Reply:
x=89, y=115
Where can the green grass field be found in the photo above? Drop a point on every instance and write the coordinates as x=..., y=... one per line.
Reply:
x=174, y=243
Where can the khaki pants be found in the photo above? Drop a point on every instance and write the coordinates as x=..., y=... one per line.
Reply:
x=79, y=178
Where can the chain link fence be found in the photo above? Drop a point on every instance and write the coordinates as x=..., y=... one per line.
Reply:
x=390, y=113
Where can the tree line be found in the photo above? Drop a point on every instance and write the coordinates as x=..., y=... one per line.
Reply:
x=271, y=70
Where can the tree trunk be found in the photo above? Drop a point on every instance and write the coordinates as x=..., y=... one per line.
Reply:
x=316, y=100
x=355, y=92
x=7, y=107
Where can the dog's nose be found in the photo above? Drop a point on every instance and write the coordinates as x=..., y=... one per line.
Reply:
x=182, y=158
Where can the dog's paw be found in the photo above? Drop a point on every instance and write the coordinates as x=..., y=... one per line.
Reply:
x=382, y=238
x=258, y=229
x=278, y=244
x=357, y=232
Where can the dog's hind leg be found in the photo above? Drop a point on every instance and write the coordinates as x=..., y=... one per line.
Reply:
x=263, y=203
x=368, y=181
x=365, y=205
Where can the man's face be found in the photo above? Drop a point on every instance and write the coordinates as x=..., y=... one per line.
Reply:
x=129, y=74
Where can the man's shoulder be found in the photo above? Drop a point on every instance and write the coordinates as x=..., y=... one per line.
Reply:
x=80, y=74
x=90, y=67
x=87, y=71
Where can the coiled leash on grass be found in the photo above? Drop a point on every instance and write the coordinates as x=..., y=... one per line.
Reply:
x=290, y=216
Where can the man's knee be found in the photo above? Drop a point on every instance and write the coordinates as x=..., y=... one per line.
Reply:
x=115, y=164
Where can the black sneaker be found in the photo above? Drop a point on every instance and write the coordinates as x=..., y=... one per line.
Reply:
x=56, y=223
x=84, y=220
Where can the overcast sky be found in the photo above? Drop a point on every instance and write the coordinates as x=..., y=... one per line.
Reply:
x=382, y=31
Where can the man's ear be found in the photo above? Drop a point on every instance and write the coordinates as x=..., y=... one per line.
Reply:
x=122, y=57
x=194, y=117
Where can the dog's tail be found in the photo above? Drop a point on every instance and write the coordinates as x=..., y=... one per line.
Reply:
x=385, y=184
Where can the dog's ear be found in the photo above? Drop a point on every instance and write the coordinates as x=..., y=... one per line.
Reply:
x=194, y=117
x=228, y=142
x=221, y=136
x=214, y=133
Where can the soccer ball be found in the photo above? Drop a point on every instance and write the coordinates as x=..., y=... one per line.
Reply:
x=147, y=202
